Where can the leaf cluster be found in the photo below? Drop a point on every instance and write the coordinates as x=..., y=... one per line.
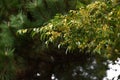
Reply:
x=93, y=28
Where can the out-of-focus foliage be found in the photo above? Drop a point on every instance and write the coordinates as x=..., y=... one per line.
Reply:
x=17, y=14
x=94, y=28
x=6, y=53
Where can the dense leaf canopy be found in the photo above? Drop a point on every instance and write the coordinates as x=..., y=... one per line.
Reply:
x=93, y=28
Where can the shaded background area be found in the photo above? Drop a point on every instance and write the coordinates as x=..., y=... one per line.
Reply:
x=77, y=68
